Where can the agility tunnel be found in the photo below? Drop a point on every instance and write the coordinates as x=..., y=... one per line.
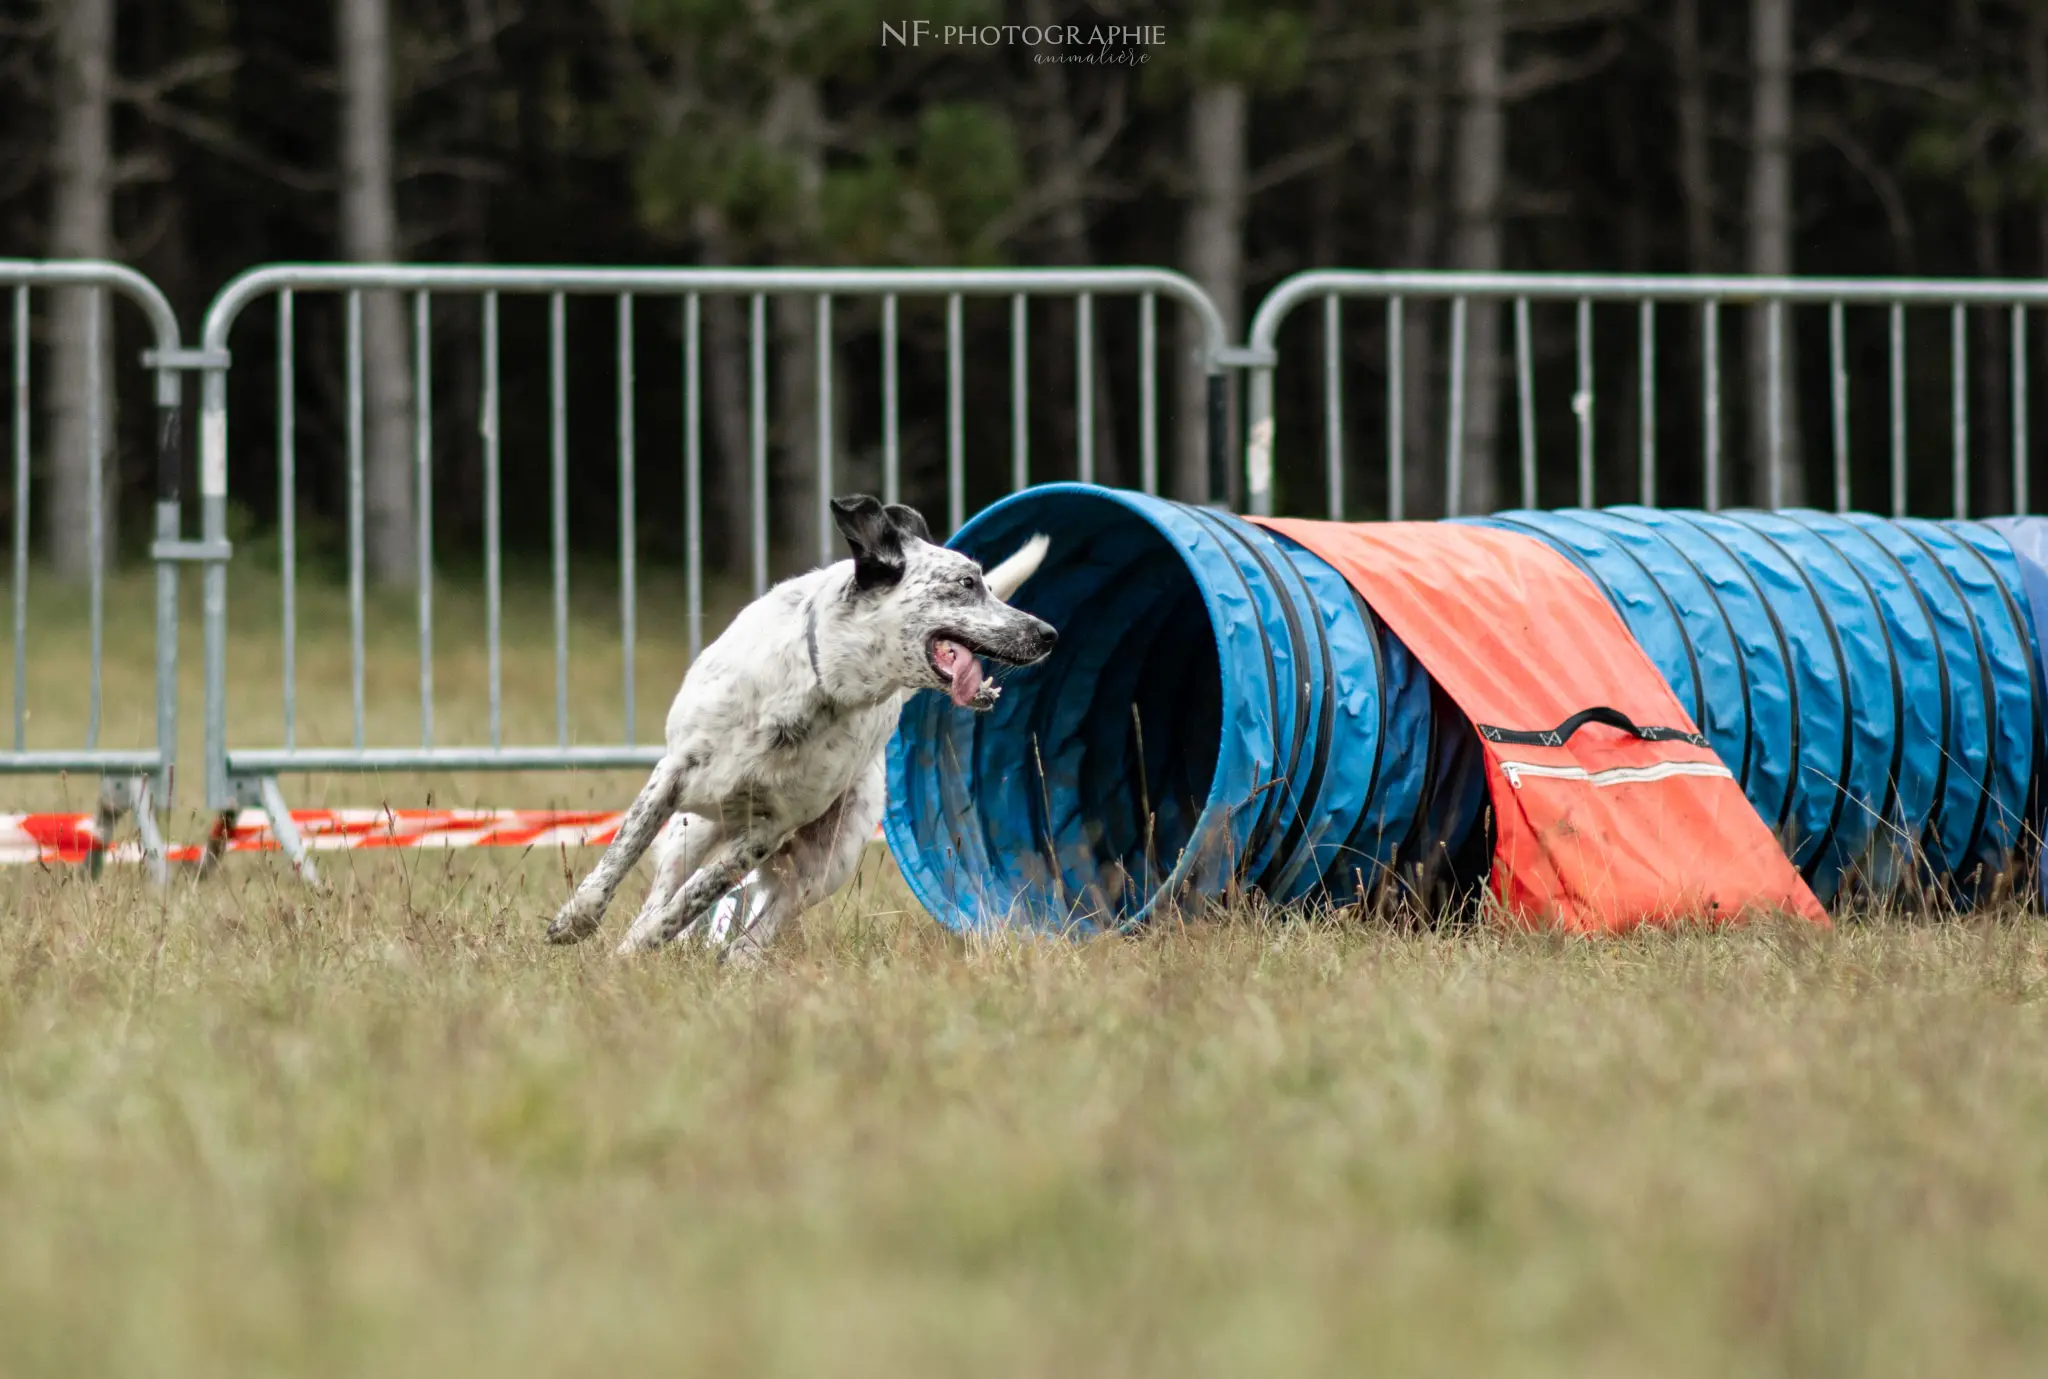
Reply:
x=1225, y=710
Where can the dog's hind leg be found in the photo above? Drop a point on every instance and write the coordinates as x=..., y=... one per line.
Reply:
x=579, y=918
x=819, y=859
x=677, y=854
x=730, y=860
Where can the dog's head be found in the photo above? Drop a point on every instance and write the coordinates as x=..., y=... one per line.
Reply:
x=919, y=616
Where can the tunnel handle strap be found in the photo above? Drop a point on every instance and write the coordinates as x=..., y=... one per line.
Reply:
x=1562, y=733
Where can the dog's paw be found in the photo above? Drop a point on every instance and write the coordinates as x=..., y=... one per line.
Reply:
x=743, y=953
x=575, y=921
x=643, y=937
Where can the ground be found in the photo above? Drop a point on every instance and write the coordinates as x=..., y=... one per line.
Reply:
x=387, y=1130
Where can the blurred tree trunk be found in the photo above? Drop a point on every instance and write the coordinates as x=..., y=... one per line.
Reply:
x=1621, y=472
x=1478, y=171
x=1695, y=167
x=461, y=465
x=1770, y=245
x=1991, y=353
x=722, y=354
x=1064, y=169
x=1991, y=349
x=1212, y=248
x=81, y=227
x=2037, y=138
x=369, y=234
x=1422, y=466
x=794, y=126
x=1695, y=173
x=794, y=498
x=2037, y=115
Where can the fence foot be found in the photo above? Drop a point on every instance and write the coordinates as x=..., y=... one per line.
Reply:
x=261, y=792
x=123, y=795
x=217, y=843
x=113, y=804
x=286, y=832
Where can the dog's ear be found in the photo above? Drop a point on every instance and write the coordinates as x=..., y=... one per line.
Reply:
x=909, y=521
x=876, y=543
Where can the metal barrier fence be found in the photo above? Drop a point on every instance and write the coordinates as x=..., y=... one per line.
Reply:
x=1775, y=296
x=239, y=775
x=246, y=775
x=135, y=781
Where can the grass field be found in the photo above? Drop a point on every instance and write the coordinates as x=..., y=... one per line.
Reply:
x=387, y=1131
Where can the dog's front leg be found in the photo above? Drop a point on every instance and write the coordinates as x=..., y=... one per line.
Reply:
x=725, y=868
x=579, y=918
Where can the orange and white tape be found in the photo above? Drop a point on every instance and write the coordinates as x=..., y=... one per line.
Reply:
x=73, y=838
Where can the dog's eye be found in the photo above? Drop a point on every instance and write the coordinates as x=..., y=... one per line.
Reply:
x=970, y=582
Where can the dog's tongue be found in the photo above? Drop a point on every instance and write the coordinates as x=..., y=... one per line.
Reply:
x=962, y=670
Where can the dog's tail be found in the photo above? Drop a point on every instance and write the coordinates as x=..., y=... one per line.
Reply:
x=1007, y=578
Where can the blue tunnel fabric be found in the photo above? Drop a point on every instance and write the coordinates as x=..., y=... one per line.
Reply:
x=2028, y=539
x=2012, y=644
x=1232, y=713
x=1223, y=710
x=1881, y=669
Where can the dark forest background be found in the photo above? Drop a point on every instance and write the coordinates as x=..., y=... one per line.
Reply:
x=197, y=138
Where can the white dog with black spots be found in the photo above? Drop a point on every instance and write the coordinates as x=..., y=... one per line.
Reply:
x=773, y=771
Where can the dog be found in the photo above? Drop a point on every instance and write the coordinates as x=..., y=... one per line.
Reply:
x=773, y=767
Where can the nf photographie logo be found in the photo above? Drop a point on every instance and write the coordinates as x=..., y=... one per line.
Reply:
x=1090, y=43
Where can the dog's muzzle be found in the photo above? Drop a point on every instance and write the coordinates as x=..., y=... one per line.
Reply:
x=955, y=659
x=1043, y=637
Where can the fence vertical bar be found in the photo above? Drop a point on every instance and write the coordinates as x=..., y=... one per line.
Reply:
x=1838, y=397
x=558, y=499
x=892, y=438
x=1774, y=393
x=213, y=581
x=423, y=499
x=1397, y=434
x=354, y=332
x=21, y=497
x=1148, y=392
x=693, y=475
x=757, y=437
x=493, y=529
x=1646, y=366
x=1959, y=409
x=96, y=496
x=288, y=508
x=170, y=526
x=1710, y=365
x=956, y=417
x=1582, y=402
x=1454, y=443
x=1898, y=381
x=1525, y=400
x=1333, y=403
x=1084, y=385
x=824, y=349
x=1020, y=385
x=1216, y=383
x=2019, y=410
x=629, y=526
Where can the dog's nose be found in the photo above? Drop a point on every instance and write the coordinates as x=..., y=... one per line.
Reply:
x=1048, y=637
